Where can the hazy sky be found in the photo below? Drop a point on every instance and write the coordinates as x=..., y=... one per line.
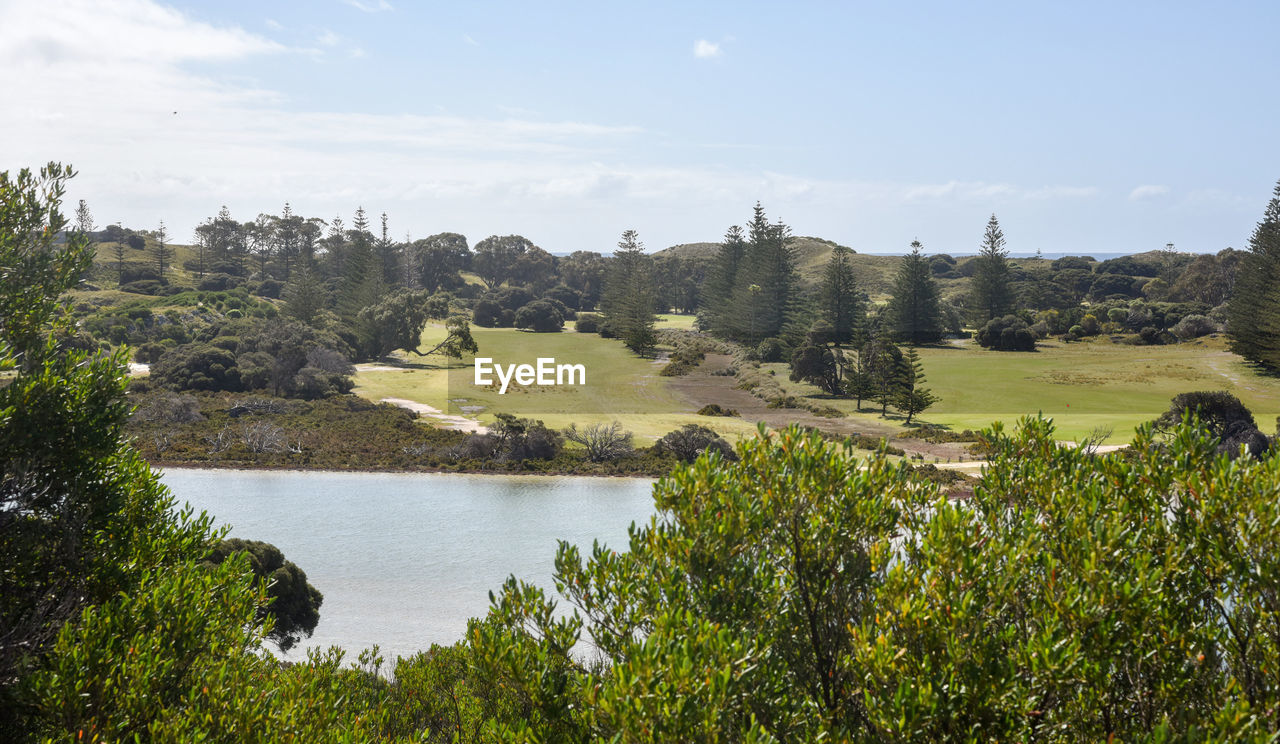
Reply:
x=1086, y=127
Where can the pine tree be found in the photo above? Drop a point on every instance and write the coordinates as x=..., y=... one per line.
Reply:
x=160, y=251
x=912, y=398
x=118, y=251
x=335, y=246
x=765, y=297
x=841, y=304
x=385, y=249
x=286, y=236
x=716, y=314
x=629, y=294
x=84, y=220
x=304, y=295
x=991, y=294
x=885, y=371
x=914, y=309
x=1253, y=312
x=361, y=281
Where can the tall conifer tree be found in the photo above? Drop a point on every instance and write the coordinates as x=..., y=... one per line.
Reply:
x=1253, y=312
x=716, y=314
x=914, y=309
x=841, y=303
x=991, y=294
x=629, y=294
x=161, y=251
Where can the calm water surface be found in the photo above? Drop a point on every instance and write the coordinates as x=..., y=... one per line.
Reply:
x=404, y=559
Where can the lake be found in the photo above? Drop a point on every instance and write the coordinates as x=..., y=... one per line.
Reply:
x=403, y=560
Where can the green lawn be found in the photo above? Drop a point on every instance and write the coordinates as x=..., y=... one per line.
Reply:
x=1082, y=386
x=681, y=322
x=619, y=384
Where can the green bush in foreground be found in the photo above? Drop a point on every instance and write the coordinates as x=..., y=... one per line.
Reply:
x=796, y=594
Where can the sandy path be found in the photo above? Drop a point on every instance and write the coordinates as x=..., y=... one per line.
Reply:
x=701, y=387
x=456, y=423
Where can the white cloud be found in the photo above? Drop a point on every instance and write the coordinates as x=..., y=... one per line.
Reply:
x=467, y=38
x=377, y=6
x=1148, y=191
x=703, y=49
x=100, y=90
x=981, y=191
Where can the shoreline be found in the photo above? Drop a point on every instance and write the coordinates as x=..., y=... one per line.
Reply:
x=185, y=465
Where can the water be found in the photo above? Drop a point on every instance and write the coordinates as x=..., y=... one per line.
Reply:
x=403, y=560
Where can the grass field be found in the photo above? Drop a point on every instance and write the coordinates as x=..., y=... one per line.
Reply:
x=1082, y=386
x=619, y=386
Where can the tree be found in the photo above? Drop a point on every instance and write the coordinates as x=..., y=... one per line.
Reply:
x=293, y=604
x=841, y=304
x=807, y=594
x=496, y=256
x=584, y=271
x=84, y=220
x=913, y=308
x=535, y=268
x=715, y=313
x=629, y=295
x=1221, y=416
x=690, y=441
x=457, y=341
x=118, y=251
x=1253, y=312
x=991, y=293
x=913, y=399
x=160, y=251
x=398, y=320
x=883, y=371
x=387, y=255
x=83, y=517
x=603, y=442
x=765, y=287
x=304, y=295
x=819, y=365
x=439, y=260
x=110, y=629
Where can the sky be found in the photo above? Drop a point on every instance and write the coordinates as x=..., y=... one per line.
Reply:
x=1086, y=127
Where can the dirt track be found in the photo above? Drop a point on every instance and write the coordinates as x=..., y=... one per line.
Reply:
x=703, y=386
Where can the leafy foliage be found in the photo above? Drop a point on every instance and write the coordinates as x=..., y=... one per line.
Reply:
x=1008, y=333
x=292, y=604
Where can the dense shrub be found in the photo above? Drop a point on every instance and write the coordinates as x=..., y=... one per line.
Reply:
x=588, y=323
x=219, y=282
x=889, y=612
x=198, y=366
x=1105, y=286
x=1008, y=333
x=691, y=440
x=715, y=409
x=1080, y=263
x=570, y=298
x=1194, y=326
x=540, y=316
x=771, y=350
x=487, y=313
x=145, y=286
